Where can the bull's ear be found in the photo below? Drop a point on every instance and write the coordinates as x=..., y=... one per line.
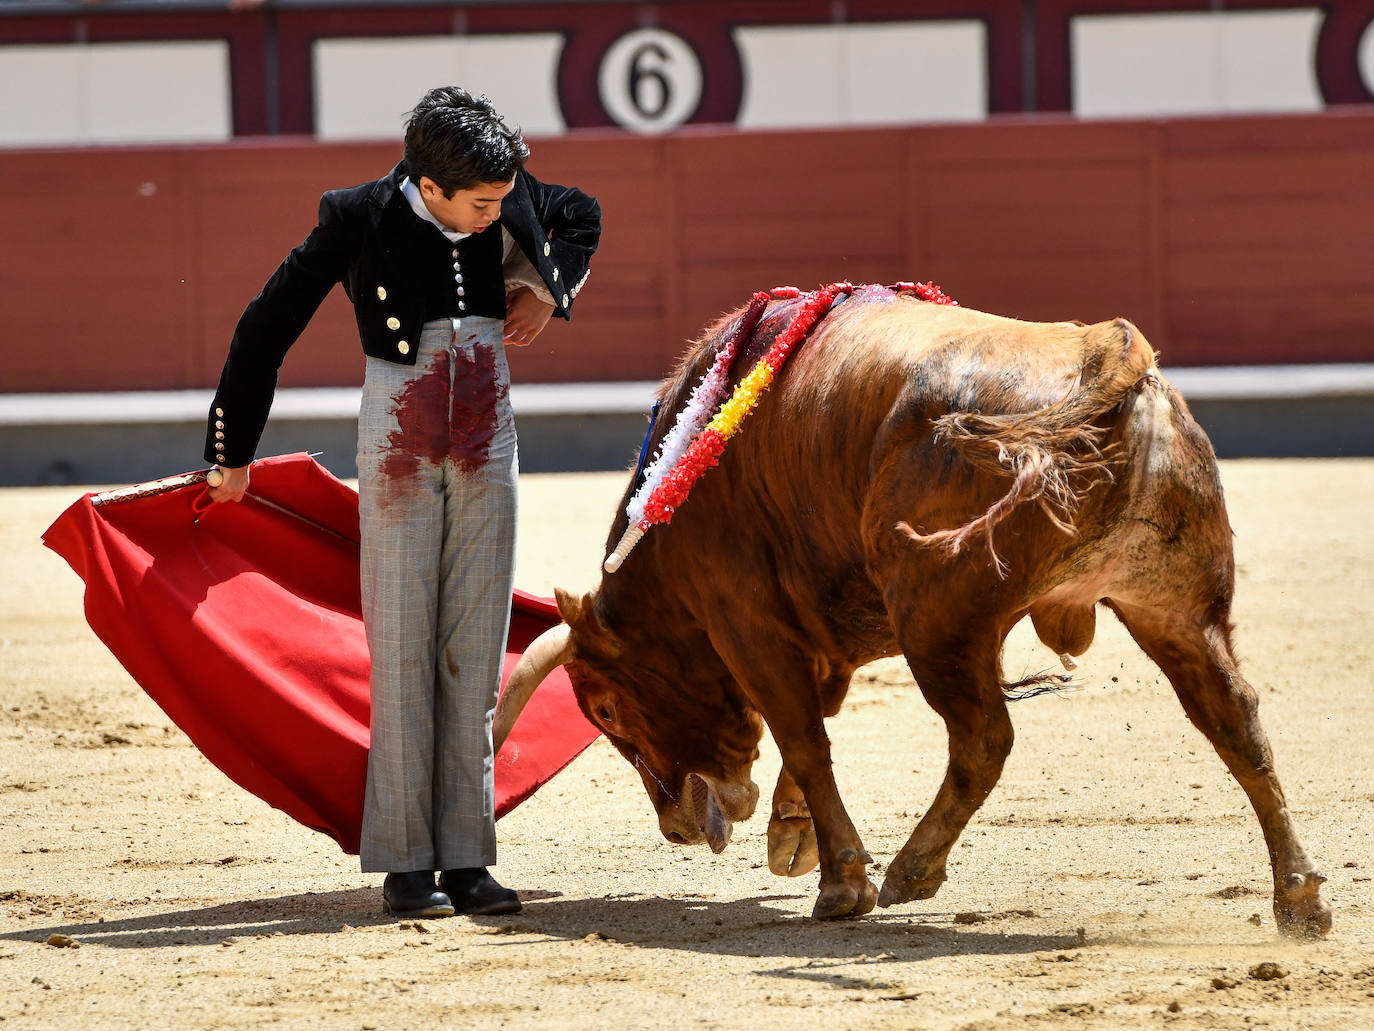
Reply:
x=569, y=606
x=590, y=633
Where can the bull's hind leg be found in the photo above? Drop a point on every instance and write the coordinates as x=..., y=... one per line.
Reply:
x=961, y=679
x=1197, y=658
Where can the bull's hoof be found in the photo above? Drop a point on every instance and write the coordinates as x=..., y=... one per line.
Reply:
x=910, y=889
x=841, y=901
x=1298, y=907
x=792, y=849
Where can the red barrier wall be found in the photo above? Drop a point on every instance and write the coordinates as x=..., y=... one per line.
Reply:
x=1235, y=240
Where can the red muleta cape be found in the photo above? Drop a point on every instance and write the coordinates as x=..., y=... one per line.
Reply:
x=243, y=622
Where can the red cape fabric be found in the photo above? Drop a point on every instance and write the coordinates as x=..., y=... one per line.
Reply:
x=243, y=622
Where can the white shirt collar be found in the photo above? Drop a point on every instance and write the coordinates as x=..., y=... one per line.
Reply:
x=417, y=205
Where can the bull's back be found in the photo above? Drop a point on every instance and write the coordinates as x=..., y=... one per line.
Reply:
x=879, y=348
x=881, y=371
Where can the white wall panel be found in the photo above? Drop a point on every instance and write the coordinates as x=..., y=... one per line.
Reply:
x=863, y=74
x=115, y=93
x=54, y=106
x=365, y=87
x=1209, y=62
x=793, y=75
x=931, y=72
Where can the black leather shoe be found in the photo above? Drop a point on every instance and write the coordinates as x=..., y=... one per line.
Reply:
x=414, y=894
x=476, y=892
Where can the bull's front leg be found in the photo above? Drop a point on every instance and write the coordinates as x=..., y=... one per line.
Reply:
x=785, y=691
x=792, y=847
x=846, y=890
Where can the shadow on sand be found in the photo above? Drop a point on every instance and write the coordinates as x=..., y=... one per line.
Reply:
x=755, y=927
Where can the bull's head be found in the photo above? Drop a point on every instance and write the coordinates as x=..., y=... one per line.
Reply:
x=691, y=738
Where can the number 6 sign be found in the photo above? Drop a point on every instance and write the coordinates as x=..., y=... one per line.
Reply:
x=650, y=80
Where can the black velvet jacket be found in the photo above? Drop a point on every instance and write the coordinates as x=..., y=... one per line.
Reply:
x=361, y=241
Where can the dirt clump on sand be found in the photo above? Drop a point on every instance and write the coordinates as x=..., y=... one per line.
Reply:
x=1116, y=878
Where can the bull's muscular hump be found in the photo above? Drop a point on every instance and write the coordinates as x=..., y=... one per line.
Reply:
x=920, y=478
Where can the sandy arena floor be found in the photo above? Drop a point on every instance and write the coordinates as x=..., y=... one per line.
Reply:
x=1115, y=879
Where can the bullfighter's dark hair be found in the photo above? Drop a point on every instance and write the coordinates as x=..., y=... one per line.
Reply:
x=459, y=140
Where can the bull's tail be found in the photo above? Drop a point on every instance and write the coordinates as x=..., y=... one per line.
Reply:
x=1054, y=454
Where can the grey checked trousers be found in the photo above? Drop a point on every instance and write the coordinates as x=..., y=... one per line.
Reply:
x=437, y=471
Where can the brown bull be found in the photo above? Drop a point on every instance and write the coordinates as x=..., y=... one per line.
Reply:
x=919, y=478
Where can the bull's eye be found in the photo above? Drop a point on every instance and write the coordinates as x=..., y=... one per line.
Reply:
x=604, y=713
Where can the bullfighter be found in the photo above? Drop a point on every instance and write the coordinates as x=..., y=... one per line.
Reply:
x=456, y=253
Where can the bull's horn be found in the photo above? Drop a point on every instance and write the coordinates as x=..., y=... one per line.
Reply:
x=551, y=648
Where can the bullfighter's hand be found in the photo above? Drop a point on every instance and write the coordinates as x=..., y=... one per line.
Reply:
x=526, y=316
x=234, y=485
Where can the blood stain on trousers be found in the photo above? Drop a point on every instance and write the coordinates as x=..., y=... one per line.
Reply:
x=440, y=416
